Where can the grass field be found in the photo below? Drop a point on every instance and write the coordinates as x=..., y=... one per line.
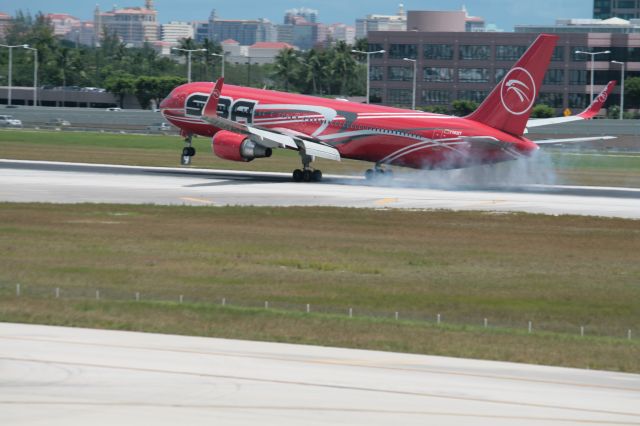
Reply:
x=585, y=168
x=558, y=272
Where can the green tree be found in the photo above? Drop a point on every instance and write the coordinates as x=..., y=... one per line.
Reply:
x=121, y=86
x=343, y=66
x=543, y=111
x=287, y=66
x=463, y=107
x=437, y=109
x=632, y=92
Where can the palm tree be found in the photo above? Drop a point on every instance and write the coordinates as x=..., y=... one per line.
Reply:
x=286, y=66
x=315, y=70
x=343, y=66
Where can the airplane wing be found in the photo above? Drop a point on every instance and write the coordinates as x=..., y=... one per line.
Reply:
x=590, y=112
x=268, y=138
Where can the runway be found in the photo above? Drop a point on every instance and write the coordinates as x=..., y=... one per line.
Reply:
x=38, y=181
x=66, y=376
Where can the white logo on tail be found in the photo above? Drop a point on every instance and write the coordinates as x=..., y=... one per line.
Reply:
x=518, y=91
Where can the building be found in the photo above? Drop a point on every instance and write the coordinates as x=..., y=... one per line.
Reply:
x=397, y=22
x=465, y=65
x=134, y=25
x=610, y=26
x=309, y=15
x=200, y=31
x=84, y=34
x=244, y=31
x=62, y=23
x=175, y=31
x=266, y=52
x=625, y=9
x=342, y=32
x=5, y=21
x=444, y=21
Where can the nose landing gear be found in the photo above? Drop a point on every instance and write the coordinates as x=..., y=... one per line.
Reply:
x=188, y=151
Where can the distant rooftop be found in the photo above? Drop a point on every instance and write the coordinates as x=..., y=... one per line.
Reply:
x=271, y=45
x=579, y=25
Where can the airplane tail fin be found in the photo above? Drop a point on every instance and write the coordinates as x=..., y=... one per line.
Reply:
x=509, y=105
x=211, y=108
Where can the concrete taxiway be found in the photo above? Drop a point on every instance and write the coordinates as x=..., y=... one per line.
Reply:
x=33, y=181
x=66, y=376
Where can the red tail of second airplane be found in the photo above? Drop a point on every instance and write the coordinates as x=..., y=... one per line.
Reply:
x=509, y=105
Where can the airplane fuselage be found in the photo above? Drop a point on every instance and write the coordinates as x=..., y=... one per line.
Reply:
x=379, y=134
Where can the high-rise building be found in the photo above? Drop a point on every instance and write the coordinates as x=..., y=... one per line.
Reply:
x=246, y=32
x=83, y=34
x=625, y=9
x=397, y=22
x=5, y=21
x=134, y=25
x=342, y=32
x=200, y=30
x=309, y=15
x=62, y=23
x=175, y=31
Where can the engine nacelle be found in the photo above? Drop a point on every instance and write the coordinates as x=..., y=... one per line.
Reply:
x=237, y=147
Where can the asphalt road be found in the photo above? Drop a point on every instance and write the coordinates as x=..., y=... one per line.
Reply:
x=32, y=181
x=70, y=376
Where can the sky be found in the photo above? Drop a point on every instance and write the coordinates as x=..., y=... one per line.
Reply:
x=504, y=13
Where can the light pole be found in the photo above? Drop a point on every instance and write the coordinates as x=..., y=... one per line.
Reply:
x=593, y=56
x=222, y=59
x=35, y=74
x=415, y=70
x=189, y=51
x=24, y=46
x=621, y=89
x=368, y=65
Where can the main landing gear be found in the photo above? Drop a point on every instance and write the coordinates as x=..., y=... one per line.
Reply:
x=307, y=174
x=188, y=151
x=378, y=172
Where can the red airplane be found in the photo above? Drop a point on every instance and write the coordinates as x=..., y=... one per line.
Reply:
x=246, y=123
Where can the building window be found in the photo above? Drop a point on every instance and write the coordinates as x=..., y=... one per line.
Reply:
x=578, y=77
x=500, y=73
x=558, y=54
x=375, y=47
x=438, y=51
x=627, y=4
x=553, y=100
x=473, y=75
x=472, y=95
x=400, y=51
x=509, y=53
x=375, y=95
x=436, y=96
x=578, y=100
x=437, y=75
x=476, y=53
x=376, y=73
x=554, y=77
x=399, y=96
x=400, y=73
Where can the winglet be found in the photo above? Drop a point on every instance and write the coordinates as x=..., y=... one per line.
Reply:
x=211, y=107
x=598, y=102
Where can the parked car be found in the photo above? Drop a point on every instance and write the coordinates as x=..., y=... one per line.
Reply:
x=59, y=122
x=114, y=109
x=159, y=127
x=9, y=121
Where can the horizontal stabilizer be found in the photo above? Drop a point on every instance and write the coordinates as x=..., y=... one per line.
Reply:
x=573, y=140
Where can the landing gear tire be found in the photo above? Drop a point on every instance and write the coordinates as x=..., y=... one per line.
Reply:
x=316, y=176
x=306, y=175
x=298, y=175
x=377, y=173
x=188, y=151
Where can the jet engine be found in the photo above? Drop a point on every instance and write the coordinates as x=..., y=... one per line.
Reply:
x=237, y=147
